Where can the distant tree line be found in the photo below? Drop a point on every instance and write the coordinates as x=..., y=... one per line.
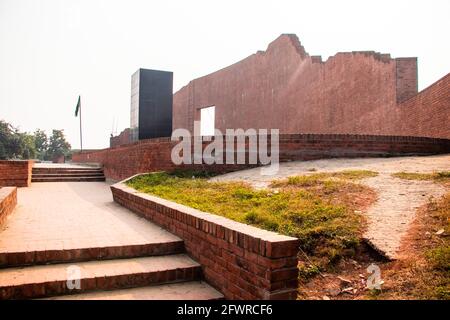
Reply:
x=23, y=145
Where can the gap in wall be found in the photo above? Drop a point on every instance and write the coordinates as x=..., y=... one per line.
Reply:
x=207, y=121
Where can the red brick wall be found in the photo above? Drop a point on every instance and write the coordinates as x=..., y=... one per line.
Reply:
x=241, y=261
x=59, y=159
x=406, y=69
x=427, y=114
x=154, y=154
x=124, y=161
x=8, y=201
x=123, y=138
x=285, y=88
x=15, y=173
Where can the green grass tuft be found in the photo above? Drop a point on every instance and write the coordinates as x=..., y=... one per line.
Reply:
x=439, y=258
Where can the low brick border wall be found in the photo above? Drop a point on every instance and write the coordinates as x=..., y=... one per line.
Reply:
x=15, y=173
x=241, y=261
x=154, y=154
x=8, y=201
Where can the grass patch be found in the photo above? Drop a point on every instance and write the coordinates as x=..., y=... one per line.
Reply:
x=442, y=176
x=324, y=177
x=354, y=174
x=438, y=257
x=319, y=211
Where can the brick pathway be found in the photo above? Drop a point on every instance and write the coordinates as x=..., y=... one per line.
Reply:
x=71, y=215
x=63, y=224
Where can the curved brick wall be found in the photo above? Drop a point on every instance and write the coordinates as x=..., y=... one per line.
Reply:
x=426, y=114
x=351, y=93
x=154, y=154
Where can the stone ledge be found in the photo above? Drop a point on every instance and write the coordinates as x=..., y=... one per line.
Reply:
x=8, y=201
x=241, y=261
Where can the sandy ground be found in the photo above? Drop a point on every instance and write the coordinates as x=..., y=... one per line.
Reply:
x=391, y=215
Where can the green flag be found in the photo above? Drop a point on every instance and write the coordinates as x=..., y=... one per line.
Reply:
x=77, y=108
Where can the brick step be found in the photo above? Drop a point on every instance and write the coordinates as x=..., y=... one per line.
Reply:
x=192, y=290
x=49, y=255
x=68, y=179
x=66, y=171
x=52, y=280
x=68, y=175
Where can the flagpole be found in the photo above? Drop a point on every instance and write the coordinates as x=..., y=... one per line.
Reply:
x=81, y=132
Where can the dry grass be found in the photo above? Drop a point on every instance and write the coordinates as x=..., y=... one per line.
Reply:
x=442, y=176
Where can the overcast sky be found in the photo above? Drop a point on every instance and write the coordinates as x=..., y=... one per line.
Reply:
x=53, y=50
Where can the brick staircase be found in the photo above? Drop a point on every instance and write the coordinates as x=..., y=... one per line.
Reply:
x=67, y=174
x=147, y=271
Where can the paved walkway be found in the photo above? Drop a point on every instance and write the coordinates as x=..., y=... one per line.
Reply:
x=63, y=227
x=70, y=215
x=390, y=217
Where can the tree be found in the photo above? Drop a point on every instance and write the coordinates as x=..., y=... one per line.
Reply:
x=3, y=154
x=40, y=143
x=15, y=144
x=27, y=145
x=58, y=146
x=6, y=139
x=22, y=145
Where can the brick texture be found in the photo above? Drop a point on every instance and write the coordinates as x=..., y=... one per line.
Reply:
x=15, y=173
x=155, y=154
x=406, y=71
x=123, y=138
x=426, y=114
x=350, y=93
x=51, y=280
x=38, y=257
x=241, y=261
x=8, y=201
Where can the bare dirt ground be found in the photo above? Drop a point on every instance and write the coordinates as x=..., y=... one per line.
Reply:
x=398, y=200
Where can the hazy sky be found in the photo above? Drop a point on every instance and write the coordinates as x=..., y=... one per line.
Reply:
x=53, y=50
